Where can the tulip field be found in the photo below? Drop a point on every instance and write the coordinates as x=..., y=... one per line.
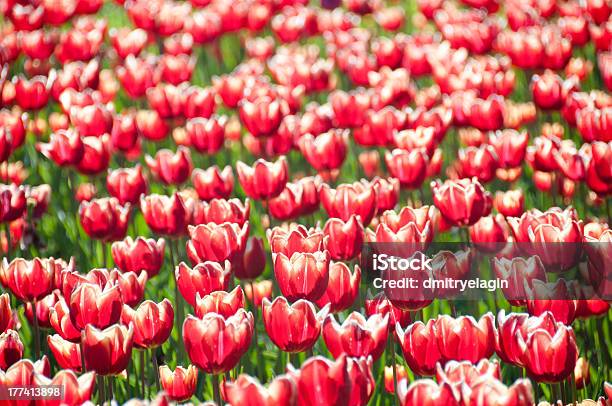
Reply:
x=306, y=203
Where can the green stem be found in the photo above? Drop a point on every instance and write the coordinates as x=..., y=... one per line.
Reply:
x=216, y=393
x=36, y=330
x=142, y=374
x=101, y=395
x=154, y=359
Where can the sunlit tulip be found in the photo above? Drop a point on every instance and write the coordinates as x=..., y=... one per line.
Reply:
x=180, y=384
x=126, y=184
x=410, y=167
x=326, y=151
x=510, y=203
x=303, y=275
x=349, y=199
x=342, y=287
x=425, y=392
x=214, y=343
x=462, y=202
x=152, y=322
x=220, y=302
x=96, y=155
x=247, y=391
x=493, y=391
x=292, y=327
x=261, y=116
x=356, y=336
x=6, y=314
x=76, y=390
x=344, y=239
x=108, y=351
x=420, y=346
x=164, y=214
x=11, y=349
x=464, y=338
x=169, y=167
x=28, y=280
x=93, y=305
x=264, y=179
x=213, y=183
x=13, y=202
x=253, y=261
x=217, y=242
x=520, y=274
x=202, y=280
x=465, y=373
x=104, y=219
x=206, y=135
x=256, y=292
x=135, y=255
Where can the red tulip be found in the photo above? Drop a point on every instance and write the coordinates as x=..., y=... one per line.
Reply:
x=202, y=280
x=92, y=304
x=247, y=391
x=344, y=238
x=28, y=280
x=256, y=292
x=261, y=116
x=387, y=192
x=59, y=319
x=13, y=202
x=217, y=242
x=96, y=156
x=91, y=120
x=167, y=100
x=126, y=184
x=478, y=162
x=151, y=126
x=465, y=373
x=220, y=211
x=253, y=260
x=379, y=304
x=558, y=361
x=32, y=94
x=152, y=322
x=206, y=135
x=107, y=352
x=213, y=183
x=128, y=42
x=136, y=76
x=104, y=219
x=180, y=384
x=539, y=234
x=76, y=390
x=295, y=239
x=326, y=151
x=490, y=233
x=349, y=199
x=6, y=145
x=464, y=338
x=264, y=179
x=492, y=391
x=342, y=287
x=349, y=108
x=6, y=314
x=409, y=233
x=140, y=254
x=220, y=302
x=323, y=382
x=410, y=167
x=199, y=102
x=462, y=202
x=171, y=168
x=292, y=327
x=520, y=274
x=370, y=162
x=550, y=91
x=214, y=343
x=42, y=308
x=419, y=344
x=554, y=297
x=164, y=214
x=303, y=275
x=400, y=373
x=510, y=203
x=11, y=349
x=510, y=147
x=425, y=392
x=85, y=192
x=22, y=373
x=356, y=336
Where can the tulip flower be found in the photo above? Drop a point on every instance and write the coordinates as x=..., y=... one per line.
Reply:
x=349, y=199
x=202, y=280
x=213, y=183
x=67, y=354
x=327, y=151
x=256, y=292
x=323, y=382
x=400, y=373
x=14, y=203
x=199, y=102
x=32, y=94
x=104, y=219
x=344, y=238
x=171, y=168
x=510, y=147
x=420, y=346
x=220, y=302
x=356, y=336
x=134, y=255
x=262, y=116
x=6, y=314
x=180, y=384
x=425, y=392
x=263, y=180
x=292, y=327
x=510, y=203
x=303, y=275
x=247, y=391
x=464, y=338
x=59, y=319
x=93, y=305
x=108, y=351
x=11, y=349
x=214, y=343
x=22, y=372
x=152, y=322
x=92, y=120
x=379, y=304
x=295, y=239
x=217, y=243
x=554, y=297
x=42, y=309
x=492, y=391
x=164, y=214
x=206, y=135
x=167, y=99
x=76, y=390
x=342, y=287
x=410, y=167
x=65, y=147
x=220, y=211
x=520, y=274
x=126, y=184
x=28, y=280
x=96, y=155
x=469, y=200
